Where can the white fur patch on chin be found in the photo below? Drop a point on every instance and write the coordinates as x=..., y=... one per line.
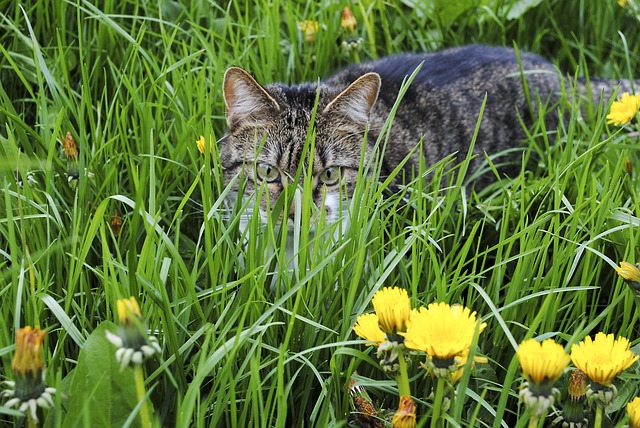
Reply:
x=336, y=210
x=333, y=208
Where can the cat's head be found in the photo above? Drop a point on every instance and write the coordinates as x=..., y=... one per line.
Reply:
x=267, y=129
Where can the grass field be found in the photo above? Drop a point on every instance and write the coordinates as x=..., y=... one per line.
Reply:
x=244, y=343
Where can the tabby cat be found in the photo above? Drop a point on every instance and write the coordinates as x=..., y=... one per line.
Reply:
x=267, y=126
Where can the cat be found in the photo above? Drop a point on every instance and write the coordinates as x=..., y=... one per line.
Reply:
x=267, y=126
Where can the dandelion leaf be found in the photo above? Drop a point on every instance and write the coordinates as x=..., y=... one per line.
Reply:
x=100, y=394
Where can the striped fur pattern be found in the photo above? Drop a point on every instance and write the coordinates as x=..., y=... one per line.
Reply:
x=267, y=126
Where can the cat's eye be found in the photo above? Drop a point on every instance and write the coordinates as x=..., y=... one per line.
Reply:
x=267, y=173
x=330, y=176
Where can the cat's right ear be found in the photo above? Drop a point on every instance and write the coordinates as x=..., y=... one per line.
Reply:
x=246, y=101
x=355, y=102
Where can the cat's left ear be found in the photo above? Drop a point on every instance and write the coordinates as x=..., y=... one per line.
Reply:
x=355, y=102
x=247, y=102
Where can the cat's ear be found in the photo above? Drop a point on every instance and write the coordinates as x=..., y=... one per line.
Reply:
x=356, y=101
x=246, y=101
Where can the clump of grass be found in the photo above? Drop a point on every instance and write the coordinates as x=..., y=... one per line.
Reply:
x=245, y=342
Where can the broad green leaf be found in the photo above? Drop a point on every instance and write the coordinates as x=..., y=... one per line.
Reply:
x=101, y=395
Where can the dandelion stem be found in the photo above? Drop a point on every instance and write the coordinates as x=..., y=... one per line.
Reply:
x=533, y=421
x=140, y=391
x=31, y=422
x=437, y=404
x=403, y=378
x=597, y=423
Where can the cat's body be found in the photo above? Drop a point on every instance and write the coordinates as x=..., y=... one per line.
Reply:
x=443, y=102
x=267, y=127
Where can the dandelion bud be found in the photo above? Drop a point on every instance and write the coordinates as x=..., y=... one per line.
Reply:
x=633, y=411
x=133, y=342
x=116, y=223
x=29, y=390
x=309, y=30
x=577, y=385
x=393, y=307
x=405, y=417
x=348, y=22
x=631, y=275
x=70, y=147
x=573, y=411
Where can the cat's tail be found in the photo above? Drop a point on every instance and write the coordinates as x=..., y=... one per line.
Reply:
x=602, y=90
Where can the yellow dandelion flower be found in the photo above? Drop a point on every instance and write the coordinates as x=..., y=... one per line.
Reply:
x=442, y=331
x=542, y=362
x=367, y=327
x=603, y=358
x=624, y=109
x=633, y=411
x=309, y=29
x=201, y=146
x=405, y=417
x=622, y=3
x=393, y=308
x=348, y=21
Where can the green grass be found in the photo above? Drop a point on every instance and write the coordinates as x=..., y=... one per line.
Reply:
x=244, y=342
